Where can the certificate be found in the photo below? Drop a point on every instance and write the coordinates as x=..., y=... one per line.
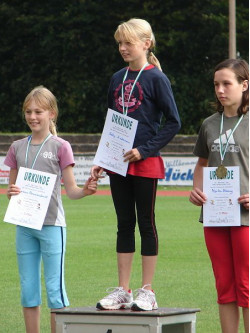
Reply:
x=117, y=138
x=221, y=208
x=30, y=206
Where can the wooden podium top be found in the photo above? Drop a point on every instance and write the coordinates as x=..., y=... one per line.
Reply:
x=160, y=312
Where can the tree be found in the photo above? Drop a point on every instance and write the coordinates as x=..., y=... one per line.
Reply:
x=68, y=46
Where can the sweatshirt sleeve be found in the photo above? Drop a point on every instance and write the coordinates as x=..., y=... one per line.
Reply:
x=166, y=104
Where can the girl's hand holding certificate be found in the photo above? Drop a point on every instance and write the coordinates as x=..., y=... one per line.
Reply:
x=13, y=190
x=132, y=155
x=244, y=200
x=197, y=197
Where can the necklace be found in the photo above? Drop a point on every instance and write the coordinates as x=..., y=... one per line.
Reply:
x=125, y=110
x=38, y=152
x=221, y=171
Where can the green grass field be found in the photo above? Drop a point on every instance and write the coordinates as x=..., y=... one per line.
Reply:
x=183, y=278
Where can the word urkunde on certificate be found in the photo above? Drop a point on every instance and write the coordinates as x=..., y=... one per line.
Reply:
x=30, y=206
x=117, y=138
x=221, y=208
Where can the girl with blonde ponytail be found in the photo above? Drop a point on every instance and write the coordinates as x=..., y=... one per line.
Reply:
x=143, y=92
x=43, y=150
x=136, y=30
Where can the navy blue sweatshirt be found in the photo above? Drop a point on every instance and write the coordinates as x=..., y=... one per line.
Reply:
x=152, y=97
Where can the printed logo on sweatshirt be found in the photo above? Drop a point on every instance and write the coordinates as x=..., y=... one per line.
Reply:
x=232, y=147
x=135, y=99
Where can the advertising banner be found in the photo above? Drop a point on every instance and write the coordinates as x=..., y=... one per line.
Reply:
x=179, y=171
x=4, y=172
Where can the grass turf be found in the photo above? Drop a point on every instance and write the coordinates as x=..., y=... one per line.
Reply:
x=183, y=277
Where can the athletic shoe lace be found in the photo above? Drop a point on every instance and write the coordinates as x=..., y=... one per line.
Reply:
x=144, y=294
x=117, y=293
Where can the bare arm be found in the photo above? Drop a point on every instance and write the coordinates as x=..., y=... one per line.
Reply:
x=12, y=188
x=197, y=197
x=73, y=191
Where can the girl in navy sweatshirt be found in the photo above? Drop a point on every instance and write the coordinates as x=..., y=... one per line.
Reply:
x=143, y=92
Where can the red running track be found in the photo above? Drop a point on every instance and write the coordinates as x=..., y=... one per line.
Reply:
x=159, y=193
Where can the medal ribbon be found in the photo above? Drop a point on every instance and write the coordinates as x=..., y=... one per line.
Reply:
x=38, y=152
x=223, y=153
x=125, y=111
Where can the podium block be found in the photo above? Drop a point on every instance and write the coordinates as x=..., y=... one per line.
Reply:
x=91, y=320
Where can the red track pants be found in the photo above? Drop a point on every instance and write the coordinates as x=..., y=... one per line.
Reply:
x=228, y=248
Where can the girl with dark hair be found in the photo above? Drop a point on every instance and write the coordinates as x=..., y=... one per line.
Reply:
x=227, y=131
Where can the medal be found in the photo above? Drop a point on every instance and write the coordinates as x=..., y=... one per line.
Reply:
x=221, y=172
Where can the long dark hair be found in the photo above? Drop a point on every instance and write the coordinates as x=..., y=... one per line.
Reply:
x=241, y=69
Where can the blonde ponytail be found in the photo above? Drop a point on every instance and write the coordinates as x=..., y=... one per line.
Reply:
x=153, y=60
x=52, y=127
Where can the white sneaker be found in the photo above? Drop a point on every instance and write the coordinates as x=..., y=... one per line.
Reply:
x=145, y=300
x=118, y=298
